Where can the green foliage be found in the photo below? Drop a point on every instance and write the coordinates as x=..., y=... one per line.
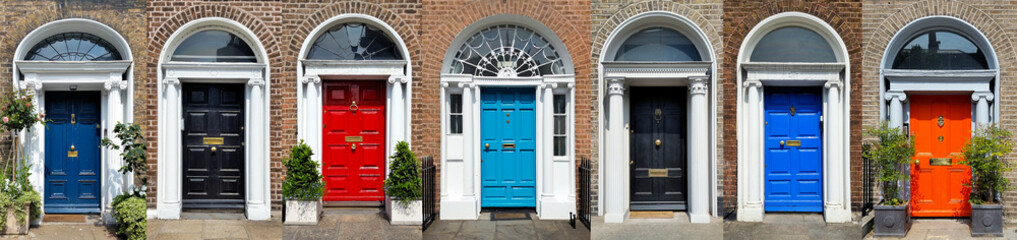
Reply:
x=302, y=181
x=403, y=180
x=18, y=193
x=134, y=147
x=890, y=154
x=985, y=153
x=17, y=112
x=130, y=213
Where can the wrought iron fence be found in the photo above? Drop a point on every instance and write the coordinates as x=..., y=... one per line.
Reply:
x=430, y=191
x=585, y=180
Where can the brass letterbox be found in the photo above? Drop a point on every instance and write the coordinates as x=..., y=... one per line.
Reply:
x=941, y=161
x=658, y=172
x=212, y=141
x=794, y=143
x=354, y=139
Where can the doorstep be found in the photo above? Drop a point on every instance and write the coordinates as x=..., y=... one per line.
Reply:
x=783, y=226
x=657, y=225
x=944, y=228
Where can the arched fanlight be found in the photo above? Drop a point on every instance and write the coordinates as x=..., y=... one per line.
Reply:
x=214, y=46
x=942, y=50
x=793, y=44
x=658, y=44
x=354, y=41
x=507, y=51
x=73, y=46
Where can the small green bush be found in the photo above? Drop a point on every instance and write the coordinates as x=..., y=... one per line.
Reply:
x=890, y=154
x=403, y=180
x=985, y=153
x=302, y=181
x=130, y=213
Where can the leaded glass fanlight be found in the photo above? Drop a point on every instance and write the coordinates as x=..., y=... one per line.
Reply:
x=214, y=46
x=657, y=44
x=354, y=41
x=940, y=50
x=507, y=51
x=793, y=44
x=73, y=46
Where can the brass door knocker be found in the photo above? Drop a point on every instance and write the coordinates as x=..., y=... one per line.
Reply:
x=657, y=115
x=353, y=107
x=940, y=121
x=793, y=110
x=73, y=119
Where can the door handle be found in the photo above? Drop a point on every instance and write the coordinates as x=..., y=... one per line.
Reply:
x=918, y=161
x=213, y=149
x=354, y=146
x=487, y=145
x=72, y=147
x=781, y=143
x=658, y=142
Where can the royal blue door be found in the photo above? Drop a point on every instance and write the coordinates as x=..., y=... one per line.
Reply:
x=72, y=152
x=508, y=165
x=793, y=150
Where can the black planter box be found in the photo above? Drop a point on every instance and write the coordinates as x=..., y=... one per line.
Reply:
x=891, y=221
x=987, y=220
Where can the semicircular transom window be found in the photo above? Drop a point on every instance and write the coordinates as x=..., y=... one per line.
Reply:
x=940, y=50
x=73, y=46
x=507, y=51
x=793, y=44
x=214, y=46
x=658, y=44
x=354, y=41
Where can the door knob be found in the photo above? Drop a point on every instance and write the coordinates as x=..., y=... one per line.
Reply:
x=658, y=142
x=72, y=147
x=632, y=162
x=213, y=149
x=354, y=146
x=487, y=145
x=917, y=161
x=781, y=143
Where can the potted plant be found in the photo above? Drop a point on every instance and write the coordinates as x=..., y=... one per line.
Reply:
x=403, y=187
x=130, y=208
x=302, y=187
x=19, y=202
x=984, y=153
x=890, y=154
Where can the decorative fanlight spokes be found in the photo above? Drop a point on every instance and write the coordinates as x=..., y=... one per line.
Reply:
x=507, y=51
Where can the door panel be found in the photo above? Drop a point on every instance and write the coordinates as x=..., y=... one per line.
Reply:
x=354, y=140
x=659, y=191
x=940, y=191
x=213, y=145
x=72, y=182
x=508, y=162
x=793, y=174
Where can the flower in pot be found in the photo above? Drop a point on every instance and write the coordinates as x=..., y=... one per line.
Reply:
x=985, y=153
x=302, y=187
x=403, y=187
x=19, y=202
x=890, y=153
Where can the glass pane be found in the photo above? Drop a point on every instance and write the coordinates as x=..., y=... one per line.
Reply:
x=214, y=46
x=73, y=46
x=559, y=146
x=793, y=44
x=507, y=51
x=657, y=44
x=456, y=124
x=456, y=103
x=559, y=104
x=940, y=50
x=354, y=41
x=559, y=125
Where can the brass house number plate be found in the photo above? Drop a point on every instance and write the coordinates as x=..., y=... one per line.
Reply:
x=941, y=161
x=354, y=139
x=794, y=143
x=658, y=172
x=212, y=141
x=72, y=153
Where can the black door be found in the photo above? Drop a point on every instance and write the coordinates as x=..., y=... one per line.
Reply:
x=213, y=145
x=658, y=157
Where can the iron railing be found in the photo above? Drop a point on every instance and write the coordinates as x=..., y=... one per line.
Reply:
x=585, y=196
x=430, y=191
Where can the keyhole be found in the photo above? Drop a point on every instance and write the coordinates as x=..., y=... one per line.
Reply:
x=792, y=110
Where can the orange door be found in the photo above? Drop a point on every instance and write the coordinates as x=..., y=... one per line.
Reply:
x=940, y=124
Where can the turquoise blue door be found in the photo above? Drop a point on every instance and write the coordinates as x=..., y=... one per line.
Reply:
x=72, y=152
x=794, y=153
x=508, y=165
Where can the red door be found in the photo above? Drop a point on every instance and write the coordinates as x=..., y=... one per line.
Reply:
x=354, y=140
x=940, y=124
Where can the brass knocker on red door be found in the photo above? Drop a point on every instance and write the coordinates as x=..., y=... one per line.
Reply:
x=353, y=107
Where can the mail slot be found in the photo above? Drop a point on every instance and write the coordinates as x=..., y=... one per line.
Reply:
x=354, y=139
x=508, y=145
x=212, y=141
x=794, y=143
x=72, y=153
x=941, y=161
x=658, y=172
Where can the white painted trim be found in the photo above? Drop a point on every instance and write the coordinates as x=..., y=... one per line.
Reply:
x=257, y=118
x=751, y=80
x=106, y=76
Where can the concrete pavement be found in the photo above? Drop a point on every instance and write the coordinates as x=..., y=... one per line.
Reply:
x=215, y=226
x=484, y=228
x=352, y=223
x=678, y=227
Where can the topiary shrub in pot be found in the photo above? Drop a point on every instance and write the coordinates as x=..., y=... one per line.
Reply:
x=892, y=150
x=403, y=187
x=129, y=208
x=302, y=187
x=985, y=153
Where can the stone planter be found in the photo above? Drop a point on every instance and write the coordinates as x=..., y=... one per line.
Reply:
x=891, y=221
x=302, y=212
x=987, y=220
x=410, y=214
x=13, y=226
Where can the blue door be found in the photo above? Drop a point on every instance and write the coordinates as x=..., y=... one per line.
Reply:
x=508, y=165
x=72, y=152
x=793, y=150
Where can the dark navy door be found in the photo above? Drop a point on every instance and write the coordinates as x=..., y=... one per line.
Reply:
x=508, y=165
x=793, y=149
x=658, y=148
x=72, y=152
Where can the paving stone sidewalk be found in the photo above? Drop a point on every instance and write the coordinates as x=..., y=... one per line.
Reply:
x=66, y=231
x=791, y=226
x=215, y=226
x=352, y=223
x=484, y=228
x=676, y=228
x=944, y=228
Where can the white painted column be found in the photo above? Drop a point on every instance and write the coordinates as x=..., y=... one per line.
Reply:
x=752, y=209
x=114, y=115
x=33, y=142
x=468, y=143
x=836, y=207
x=896, y=99
x=312, y=110
x=982, y=99
x=258, y=200
x=616, y=161
x=547, y=135
x=397, y=113
x=170, y=175
x=699, y=194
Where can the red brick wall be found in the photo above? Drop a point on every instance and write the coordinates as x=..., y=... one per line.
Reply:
x=739, y=18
